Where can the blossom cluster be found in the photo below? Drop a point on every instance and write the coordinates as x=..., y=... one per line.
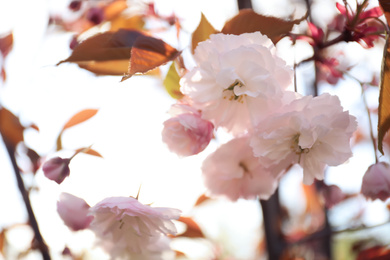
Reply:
x=241, y=85
x=124, y=227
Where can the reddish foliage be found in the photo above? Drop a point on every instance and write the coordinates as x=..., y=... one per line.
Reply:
x=375, y=253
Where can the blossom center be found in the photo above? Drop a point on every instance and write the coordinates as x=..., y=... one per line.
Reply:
x=296, y=147
x=233, y=96
x=245, y=168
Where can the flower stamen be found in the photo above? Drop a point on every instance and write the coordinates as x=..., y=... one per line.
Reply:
x=237, y=82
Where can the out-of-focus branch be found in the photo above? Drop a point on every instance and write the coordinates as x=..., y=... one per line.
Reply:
x=272, y=226
x=242, y=4
x=40, y=243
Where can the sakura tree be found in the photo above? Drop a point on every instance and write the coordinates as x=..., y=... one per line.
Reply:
x=271, y=115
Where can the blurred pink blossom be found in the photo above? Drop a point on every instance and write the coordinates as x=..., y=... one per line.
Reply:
x=232, y=171
x=73, y=211
x=235, y=77
x=56, y=169
x=332, y=195
x=376, y=182
x=186, y=133
x=125, y=227
x=312, y=132
x=360, y=27
x=328, y=70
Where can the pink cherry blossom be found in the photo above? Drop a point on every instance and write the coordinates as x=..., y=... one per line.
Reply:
x=56, y=169
x=236, y=76
x=313, y=132
x=125, y=227
x=232, y=171
x=186, y=133
x=74, y=212
x=376, y=182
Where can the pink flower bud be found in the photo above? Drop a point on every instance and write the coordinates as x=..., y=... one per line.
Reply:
x=376, y=182
x=187, y=134
x=56, y=169
x=74, y=212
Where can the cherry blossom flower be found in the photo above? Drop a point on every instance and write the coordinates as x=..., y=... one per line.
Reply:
x=186, y=133
x=232, y=171
x=74, y=212
x=313, y=132
x=125, y=227
x=234, y=77
x=56, y=169
x=376, y=182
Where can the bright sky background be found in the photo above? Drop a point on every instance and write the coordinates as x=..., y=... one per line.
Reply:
x=126, y=131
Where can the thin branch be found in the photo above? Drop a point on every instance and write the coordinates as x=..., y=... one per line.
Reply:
x=32, y=220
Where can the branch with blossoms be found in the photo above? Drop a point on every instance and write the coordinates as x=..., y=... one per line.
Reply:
x=235, y=83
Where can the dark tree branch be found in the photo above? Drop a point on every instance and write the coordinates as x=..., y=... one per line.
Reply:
x=32, y=220
x=272, y=223
x=242, y=4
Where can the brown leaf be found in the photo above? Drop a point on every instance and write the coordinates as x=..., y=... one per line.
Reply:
x=193, y=229
x=247, y=21
x=202, y=32
x=80, y=117
x=384, y=95
x=89, y=151
x=10, y=128
x=149, y=53
x=6, y=44
x=105, y=53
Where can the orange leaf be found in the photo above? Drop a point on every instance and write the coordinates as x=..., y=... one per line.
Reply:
x=202, y=32
x=6, y=43
x=80, y=117
x=202, y=198
x=10, y=127
x=89, y=151
x=193, y=229
x=248, y=21
x=135, y=22
x=384, y=95
x=106, y=53
x=149, y=53
x=114, y=9
x=2, y=242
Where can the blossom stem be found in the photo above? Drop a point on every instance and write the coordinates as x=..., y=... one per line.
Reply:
x=41, y=245
x=373, y=140
x=372, y=136
x=242, y=4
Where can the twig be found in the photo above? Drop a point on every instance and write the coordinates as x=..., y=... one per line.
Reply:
x=32, y=220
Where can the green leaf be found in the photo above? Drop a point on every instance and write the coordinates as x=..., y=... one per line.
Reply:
x=202, y=32
x=247, y=21
x=171, y=82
